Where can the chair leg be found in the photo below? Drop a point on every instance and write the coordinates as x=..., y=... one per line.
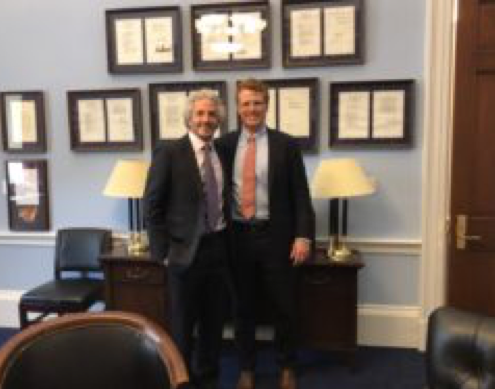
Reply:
x=23, y=319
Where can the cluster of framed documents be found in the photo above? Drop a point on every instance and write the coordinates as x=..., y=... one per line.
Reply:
x=224, y=36
x=235, y=35
x=23, y=131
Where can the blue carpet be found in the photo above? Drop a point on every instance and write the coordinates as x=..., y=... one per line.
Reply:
x=6, y=333
x=374, y=368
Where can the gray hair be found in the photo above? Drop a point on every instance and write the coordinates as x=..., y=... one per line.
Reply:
x=204, y=94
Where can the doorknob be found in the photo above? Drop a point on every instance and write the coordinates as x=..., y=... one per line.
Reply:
x=460, y=232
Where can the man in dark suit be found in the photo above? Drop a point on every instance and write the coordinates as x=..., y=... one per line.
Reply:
x=186, y=225
x=272, y=226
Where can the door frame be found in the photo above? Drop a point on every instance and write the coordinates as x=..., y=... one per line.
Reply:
x=437, y=152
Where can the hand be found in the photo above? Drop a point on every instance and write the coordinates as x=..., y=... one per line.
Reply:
x=300, y=251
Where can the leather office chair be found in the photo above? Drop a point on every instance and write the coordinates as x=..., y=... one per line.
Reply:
x=92, y=350
x=76, y=254
x=460, y=351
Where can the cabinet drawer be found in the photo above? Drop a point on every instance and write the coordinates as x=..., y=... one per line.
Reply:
x=138, y=274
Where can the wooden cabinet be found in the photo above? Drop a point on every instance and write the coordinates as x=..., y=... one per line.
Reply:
x=135, y=283
x=327, y=296
x=328, y=304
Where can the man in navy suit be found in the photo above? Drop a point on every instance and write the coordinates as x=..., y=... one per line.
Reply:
x=186, y=225
x=272, y=226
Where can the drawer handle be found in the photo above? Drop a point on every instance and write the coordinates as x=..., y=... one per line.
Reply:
x=319, y=279
x=137, y=273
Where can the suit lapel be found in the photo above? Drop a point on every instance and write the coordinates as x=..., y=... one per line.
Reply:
x=272, y=150
x=190, y=163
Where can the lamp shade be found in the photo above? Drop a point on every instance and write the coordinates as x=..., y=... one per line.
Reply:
x=336, y=178
x=128, y=179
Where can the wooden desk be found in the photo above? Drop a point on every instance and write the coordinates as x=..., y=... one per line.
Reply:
x=327, y=296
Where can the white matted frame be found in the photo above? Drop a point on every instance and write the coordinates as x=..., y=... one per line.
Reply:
x=23, y=121
x=144, y=40
x=105, y=120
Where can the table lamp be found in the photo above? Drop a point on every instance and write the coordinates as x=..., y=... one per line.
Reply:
x=337, y=180
x=127, y=180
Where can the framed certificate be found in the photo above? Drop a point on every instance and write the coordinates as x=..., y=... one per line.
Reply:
x=105, y=120
x=371, y=113
x=144, y=40
x=231, y=36
x=168, y=103
x=322, y=32
x=293, y=109
x=27, y=195
x=23, y=122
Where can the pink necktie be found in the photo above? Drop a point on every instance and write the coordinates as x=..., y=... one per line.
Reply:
x=248, y=195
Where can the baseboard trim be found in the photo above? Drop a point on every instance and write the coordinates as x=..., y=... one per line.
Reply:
x=390, y=326
x=378, y=325
x=9, y=302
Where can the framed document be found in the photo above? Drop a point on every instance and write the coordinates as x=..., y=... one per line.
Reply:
x=27, y=195
x=371, y=113
x=144, y=40
x=293, y=109
x=168, y=103
x=105, y=120
x=322, y=32
x=231, y=36
x=23, y=122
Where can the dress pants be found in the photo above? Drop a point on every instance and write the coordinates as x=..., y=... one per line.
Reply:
x=198, y=302
x=255, y=262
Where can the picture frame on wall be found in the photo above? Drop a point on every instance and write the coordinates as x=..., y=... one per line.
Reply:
x=293, y=108
x=322, y=32
x=27, y=195
x=23, y=121
x=371, y=113
x=144, y=40
x=231, y=36
x=168, y=103
x=105, y=120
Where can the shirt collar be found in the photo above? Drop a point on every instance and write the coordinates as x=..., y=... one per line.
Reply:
x=197, y=142
x=258, y=134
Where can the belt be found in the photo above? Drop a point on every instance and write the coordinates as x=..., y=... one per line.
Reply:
x=254, y=226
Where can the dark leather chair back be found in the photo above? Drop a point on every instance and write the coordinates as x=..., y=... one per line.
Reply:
x=75, y=287
x=78, y=249
x=460, y=351
x=92, y=351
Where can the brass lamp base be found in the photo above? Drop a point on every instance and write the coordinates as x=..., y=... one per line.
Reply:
x=338, y=250
x=137, y=243
x=341, y=254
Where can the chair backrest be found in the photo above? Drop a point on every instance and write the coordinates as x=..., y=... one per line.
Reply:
x=92, y=351
x=78, y=249
x=460, y=350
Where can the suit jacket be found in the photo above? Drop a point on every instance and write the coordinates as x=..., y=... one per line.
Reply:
x=290, y=207
x=174, y=203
